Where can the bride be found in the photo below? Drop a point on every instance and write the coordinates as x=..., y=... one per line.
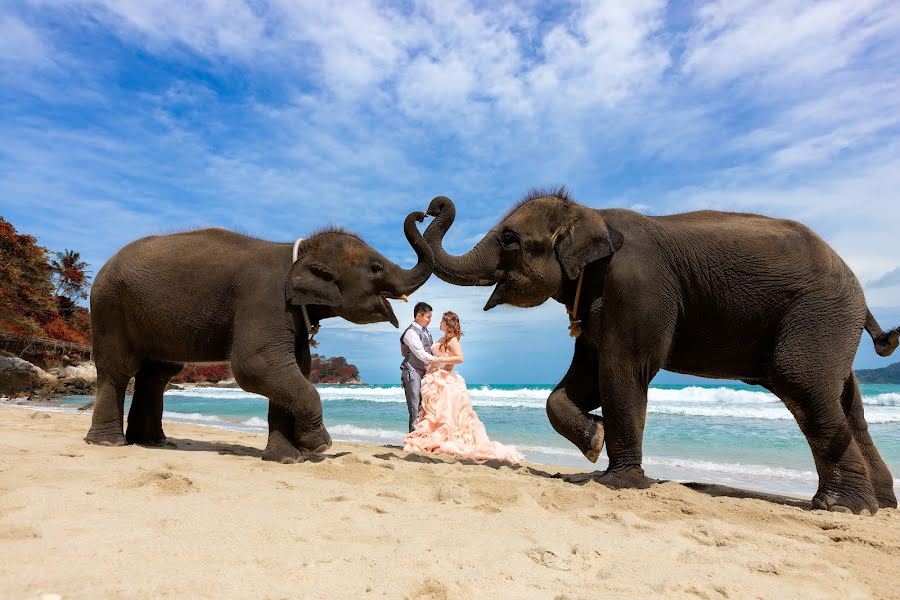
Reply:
x=447, y=423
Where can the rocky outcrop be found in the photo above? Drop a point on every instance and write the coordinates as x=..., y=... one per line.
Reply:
x=17, y=376
x=76, y=379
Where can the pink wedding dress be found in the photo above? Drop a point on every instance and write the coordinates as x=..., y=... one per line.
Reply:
x=447, y=423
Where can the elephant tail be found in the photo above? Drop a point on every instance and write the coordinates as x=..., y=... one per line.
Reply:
x=885, y=341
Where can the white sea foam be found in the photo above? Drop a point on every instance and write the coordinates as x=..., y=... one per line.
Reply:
x=889, y=399
x=192, y=417
x=209, y=392
x=706, y=395
x=551, y=451
x=873, y=414
x=39, y=408
x=734, y=469
x=354, y=433
x=695, y=401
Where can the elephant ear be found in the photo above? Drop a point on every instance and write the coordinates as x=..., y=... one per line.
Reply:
x=588, y=239
x=312, y=284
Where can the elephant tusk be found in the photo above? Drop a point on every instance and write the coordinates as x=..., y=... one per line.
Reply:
x=404, y=298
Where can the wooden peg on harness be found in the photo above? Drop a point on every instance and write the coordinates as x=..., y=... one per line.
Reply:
x=574, y=321
x=312, y=330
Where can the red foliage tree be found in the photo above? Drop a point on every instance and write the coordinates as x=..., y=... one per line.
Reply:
x=59, y=329
x=332, y=370
x=26, y=294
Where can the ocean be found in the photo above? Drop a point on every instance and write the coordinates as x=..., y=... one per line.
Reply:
x=736, y=435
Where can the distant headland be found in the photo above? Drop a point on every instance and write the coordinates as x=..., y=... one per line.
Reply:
x=888, y=374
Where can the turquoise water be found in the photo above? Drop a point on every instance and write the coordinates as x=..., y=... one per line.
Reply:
x=730, y=434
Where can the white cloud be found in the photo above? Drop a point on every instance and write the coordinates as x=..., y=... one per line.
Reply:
x=21, y=46
x=788, y=44
x=601, y=55
x=889, y=279
x=212, y=28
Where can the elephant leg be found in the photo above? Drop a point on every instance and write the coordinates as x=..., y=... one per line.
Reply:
x=569, y=405
x=109, y=409
x=115, y=368
x=624, y=415
x=809, y=375
x=879, y=475
x=295, y=409
x=279, y=447
x=145, y=415
x=844, y=480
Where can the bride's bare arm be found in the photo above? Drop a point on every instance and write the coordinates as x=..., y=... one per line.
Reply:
x=456, y=353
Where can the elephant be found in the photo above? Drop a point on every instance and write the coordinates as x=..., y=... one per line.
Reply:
x=713, y=294
x=214, y=295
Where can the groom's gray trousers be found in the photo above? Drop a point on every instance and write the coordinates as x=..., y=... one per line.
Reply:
x=412, y=385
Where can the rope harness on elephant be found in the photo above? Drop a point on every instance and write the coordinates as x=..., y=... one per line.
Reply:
x=313, y=330
x=574, y=321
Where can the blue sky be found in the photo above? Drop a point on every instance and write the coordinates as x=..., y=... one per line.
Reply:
x=125, y=118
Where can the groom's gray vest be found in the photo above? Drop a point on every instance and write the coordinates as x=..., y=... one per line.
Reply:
x=410, y=360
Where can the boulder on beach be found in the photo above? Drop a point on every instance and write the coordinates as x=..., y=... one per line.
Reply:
x=18, y=375
x=80, y=377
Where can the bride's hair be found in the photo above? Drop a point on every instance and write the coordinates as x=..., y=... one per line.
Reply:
x=453, y=329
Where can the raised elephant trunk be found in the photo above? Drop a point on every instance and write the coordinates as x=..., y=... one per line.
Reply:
x=476, y=267
x=413, y=279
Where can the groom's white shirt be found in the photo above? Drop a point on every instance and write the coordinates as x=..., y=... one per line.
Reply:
x=414, y=343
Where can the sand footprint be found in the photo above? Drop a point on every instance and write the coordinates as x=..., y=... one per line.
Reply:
x=430, y=589
x=166, y=483
x=392, y=496
x=547, y=558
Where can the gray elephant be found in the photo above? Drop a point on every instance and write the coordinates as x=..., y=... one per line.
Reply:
x=714, y=294
x=214, y=295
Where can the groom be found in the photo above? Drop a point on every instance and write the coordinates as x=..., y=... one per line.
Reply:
x=415, y=346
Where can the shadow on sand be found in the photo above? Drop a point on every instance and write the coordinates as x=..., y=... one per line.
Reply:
x=396, y=453
x=228, y=449
x=710, y=489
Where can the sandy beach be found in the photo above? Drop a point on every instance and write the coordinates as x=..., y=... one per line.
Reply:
x=205, y=517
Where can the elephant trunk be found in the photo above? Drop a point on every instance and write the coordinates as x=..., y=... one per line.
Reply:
x=413, y=279
x=476, y=267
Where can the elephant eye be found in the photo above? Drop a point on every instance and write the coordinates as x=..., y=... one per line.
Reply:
x=509, y=240
x=321, y=272
x=377, y=267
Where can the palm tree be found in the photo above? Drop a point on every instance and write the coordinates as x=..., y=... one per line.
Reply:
x=72, y=280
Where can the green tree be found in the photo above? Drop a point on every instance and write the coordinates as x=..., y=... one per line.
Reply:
x=26, y=291
x=70, y=275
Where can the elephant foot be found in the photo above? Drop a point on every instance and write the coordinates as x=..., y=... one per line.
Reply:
x=887, y=502
x=280, y=450
x=105, y=436
x=593, y=452
x=316, y=441
x=886, y=497
x=151, y=442
x=145, y=438
x=846, y=502
x=625, y=478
